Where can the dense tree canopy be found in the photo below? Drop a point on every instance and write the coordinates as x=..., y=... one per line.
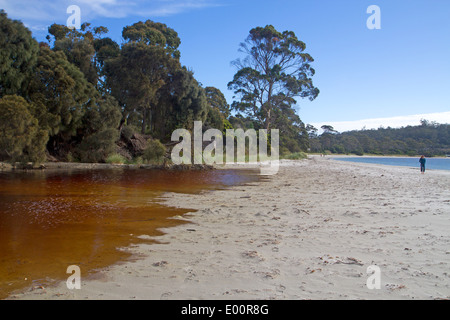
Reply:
x=153, y=89
x=153, y=34
x=18, y=55
x=60, y=102
x=72, y=97
x=21, y=139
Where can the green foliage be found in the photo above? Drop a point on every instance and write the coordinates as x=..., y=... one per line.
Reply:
x=81, y=89
x=218, y=110
x=295, y=156
x=155, y=151
x=142, y=72
x=227, y=125
x=216, y=100
x=84, y=48
x=105, y=49
x=116, y=159
x=68, y=106
x=293, y=134
x=62, y=90
x=182, y=101
x=128, y=131
x=214, y=119
x=136, y=78
x=18, y=55
x=21, y=139
x=59, y=31
x=101, y=113
x=275, y=71
x=153, y=34
x=97, y=147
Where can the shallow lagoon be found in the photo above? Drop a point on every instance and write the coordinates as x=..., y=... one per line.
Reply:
x=52, y=219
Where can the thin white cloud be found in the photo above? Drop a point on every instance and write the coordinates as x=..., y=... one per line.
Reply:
x=393, y=122
x=49, y=11
x=171, y=7
x=39, y=15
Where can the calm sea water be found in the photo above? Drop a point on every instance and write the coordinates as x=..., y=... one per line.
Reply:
x=432, y=163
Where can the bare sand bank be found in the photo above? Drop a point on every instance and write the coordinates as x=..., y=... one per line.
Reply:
x=309, y=232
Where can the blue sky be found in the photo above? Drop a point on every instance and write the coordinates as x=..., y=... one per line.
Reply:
x=389, y=77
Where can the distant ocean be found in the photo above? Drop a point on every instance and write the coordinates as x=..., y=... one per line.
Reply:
x=432, y=163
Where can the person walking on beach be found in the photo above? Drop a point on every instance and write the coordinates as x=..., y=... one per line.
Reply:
x=422, y=161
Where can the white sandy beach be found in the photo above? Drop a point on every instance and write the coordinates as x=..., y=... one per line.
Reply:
x=309, y=232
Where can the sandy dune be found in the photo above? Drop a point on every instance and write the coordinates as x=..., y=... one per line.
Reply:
x=309, y=232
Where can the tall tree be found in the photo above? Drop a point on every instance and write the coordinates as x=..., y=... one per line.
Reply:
x=217, y=100
x=67, y=105
x=328, y=129
x=18, y=55
x=81, y=47
x=276, y=70
x=62, y=91
x=135, y=78
x=154, y=34
x=148, y=80
x=182, y=101
x=218, y=109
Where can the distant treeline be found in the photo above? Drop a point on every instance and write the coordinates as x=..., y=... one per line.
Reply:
x=429, y=138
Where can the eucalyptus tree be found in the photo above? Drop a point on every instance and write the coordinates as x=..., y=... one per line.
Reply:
x=140, y=70
x=182, y=101
x=136, y=77
x=153, y=89
x=275, y=71
x=18, y=55
x=67, y=105
x=217, y=100
x=85, y=48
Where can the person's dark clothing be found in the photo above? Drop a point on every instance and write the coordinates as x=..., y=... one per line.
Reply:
x=422, y=164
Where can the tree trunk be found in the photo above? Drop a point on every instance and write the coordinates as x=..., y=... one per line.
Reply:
x=268, y=120
x=144, y=120
x=269, y=106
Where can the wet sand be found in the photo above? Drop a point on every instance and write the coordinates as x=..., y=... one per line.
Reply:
x=309, y=232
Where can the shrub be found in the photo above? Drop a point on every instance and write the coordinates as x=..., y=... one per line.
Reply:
x=155, y=151
x=128, y=131
x=21, y=138
x=116, y=158
x=295, y=156
x=97, y=147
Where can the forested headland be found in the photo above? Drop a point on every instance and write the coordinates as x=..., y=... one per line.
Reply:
x=428, y=138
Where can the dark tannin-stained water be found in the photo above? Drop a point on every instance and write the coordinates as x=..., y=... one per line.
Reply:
x=50, y=220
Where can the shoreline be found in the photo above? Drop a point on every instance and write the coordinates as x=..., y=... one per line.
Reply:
x=379, y=156
x=373, y=156
x=309, y=232
x=48, y=166
x=98, y=166
x=337, y=158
